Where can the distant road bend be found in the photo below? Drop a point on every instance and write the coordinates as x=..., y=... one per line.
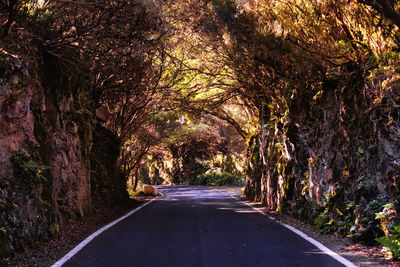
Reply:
x=198, y=226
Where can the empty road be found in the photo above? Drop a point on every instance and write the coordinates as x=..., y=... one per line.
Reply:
x=198, y=226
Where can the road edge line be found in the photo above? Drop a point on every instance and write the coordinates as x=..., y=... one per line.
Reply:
x=320, y=246
x=87, y=240
x=316, y=243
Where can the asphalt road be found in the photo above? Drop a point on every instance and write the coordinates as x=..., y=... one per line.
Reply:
x=198, y=226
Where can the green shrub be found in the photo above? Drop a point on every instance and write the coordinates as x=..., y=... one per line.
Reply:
x=26, y=167
x=365, y=188
x=392, y=242
x=216, y=178
x=386, y=217
x=367, y=228
x=324, y=223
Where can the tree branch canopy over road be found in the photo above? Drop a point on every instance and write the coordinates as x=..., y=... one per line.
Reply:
x=297, y=100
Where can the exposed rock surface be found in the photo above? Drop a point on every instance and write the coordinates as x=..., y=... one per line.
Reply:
x=331, y=160
x=47, y=150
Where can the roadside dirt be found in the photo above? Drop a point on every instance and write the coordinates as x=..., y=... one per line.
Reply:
x=359, y=254
x=49, y=251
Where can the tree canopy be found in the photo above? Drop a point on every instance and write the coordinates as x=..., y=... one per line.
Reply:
x=282, y=91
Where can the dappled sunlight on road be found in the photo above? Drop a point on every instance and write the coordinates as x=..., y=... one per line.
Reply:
x=245, y=211
x=201, y=226
x=185, y=192
x=215, y=198
x=235, y=208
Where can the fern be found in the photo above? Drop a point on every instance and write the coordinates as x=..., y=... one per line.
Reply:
x=392, y=242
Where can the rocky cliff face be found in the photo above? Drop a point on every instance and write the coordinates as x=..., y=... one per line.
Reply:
x=332, y=159
x=22, y=218
x=47, y=152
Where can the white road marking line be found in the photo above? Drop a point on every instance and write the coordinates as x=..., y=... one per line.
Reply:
x=298, y=232
x=81, y=245
x=320, y=246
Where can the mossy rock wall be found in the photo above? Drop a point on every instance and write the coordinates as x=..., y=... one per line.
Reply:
x=336, y=154
x=108, y=185
x=51, y=145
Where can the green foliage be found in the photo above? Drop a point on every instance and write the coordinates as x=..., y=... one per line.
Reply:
x=217, y=178
x=302, y=210
x=392, y=242
x=254, y=170
x=27, y=168
x=366, y=228
x=46, y=206
x=54, y=229
x=366, y=188
x=324, y=223
x=386, y=217
x=336, y=215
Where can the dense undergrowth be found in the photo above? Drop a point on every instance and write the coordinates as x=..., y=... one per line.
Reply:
x=216, y=178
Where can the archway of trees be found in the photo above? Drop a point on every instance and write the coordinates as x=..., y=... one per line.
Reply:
x=299, y=98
